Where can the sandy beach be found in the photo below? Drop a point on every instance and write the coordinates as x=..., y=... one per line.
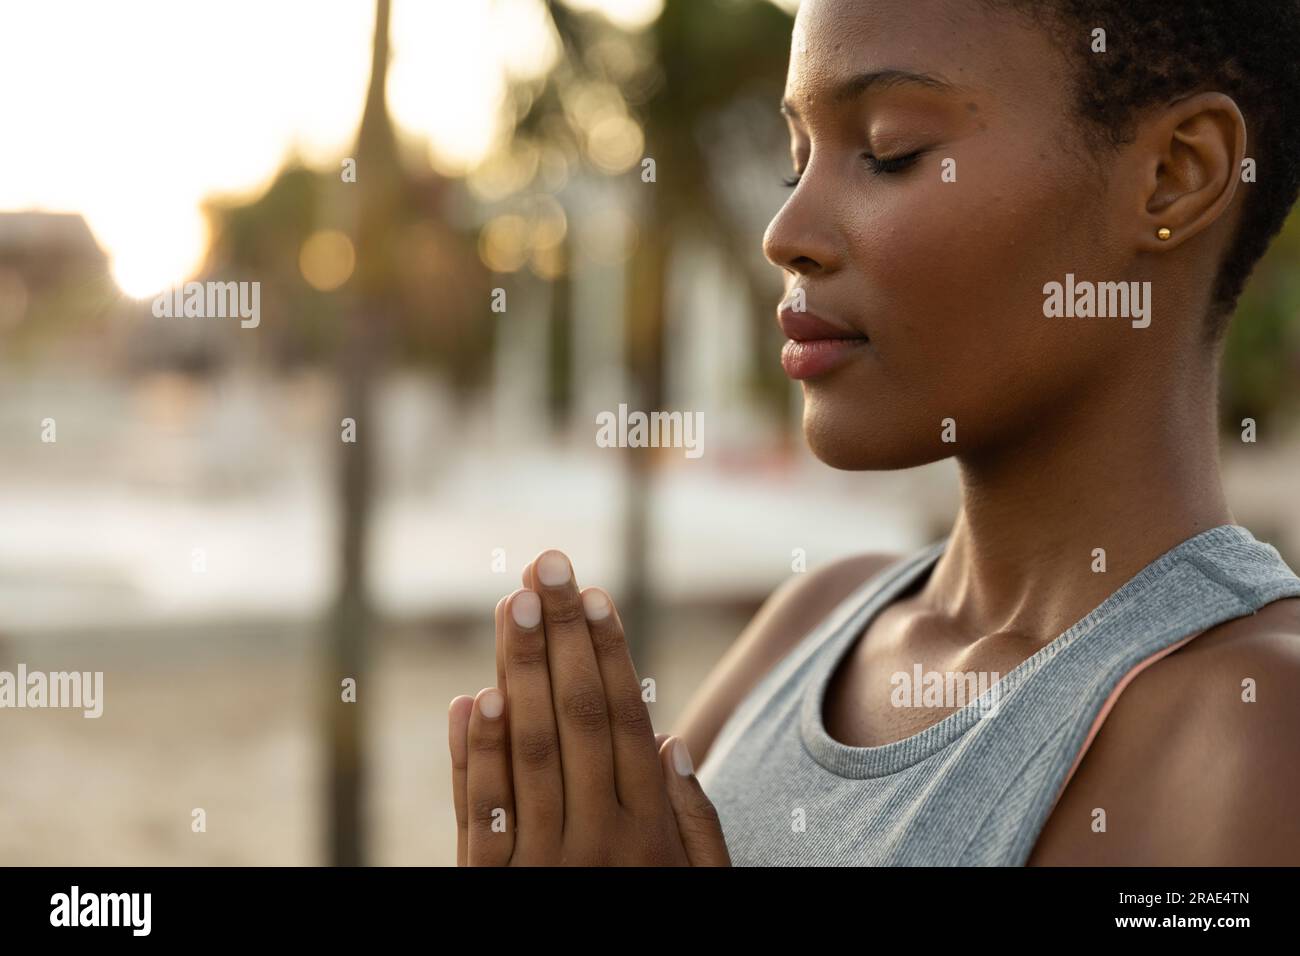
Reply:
x=227, y=720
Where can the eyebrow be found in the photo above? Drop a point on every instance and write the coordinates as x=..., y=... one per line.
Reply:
x=855, y=86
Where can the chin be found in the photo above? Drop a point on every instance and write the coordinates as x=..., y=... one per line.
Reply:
x=852, y=439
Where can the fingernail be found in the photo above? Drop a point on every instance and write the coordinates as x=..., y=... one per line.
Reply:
x=526, y=609
x=491, y=703
x=682, y=758
x=595, y=605
x=553, y=569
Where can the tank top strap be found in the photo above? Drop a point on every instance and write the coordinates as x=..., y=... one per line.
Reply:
x=1051, y=707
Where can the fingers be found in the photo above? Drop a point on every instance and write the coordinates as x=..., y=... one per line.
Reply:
x=458, y=742
x=534, y=738
x=489, y=797
x=581, y=707
x=637, y=775
x=697, y=818
x=499, y=617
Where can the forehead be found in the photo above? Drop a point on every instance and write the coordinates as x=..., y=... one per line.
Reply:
x=972, y=44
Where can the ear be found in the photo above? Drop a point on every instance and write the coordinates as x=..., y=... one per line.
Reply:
x=1194, y=150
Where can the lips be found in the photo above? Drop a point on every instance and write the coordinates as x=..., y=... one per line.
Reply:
x=806, y=327
x=816, y=346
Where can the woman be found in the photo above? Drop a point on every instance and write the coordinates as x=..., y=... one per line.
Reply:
x=1016, y=234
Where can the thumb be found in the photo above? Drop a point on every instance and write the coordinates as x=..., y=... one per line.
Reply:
x=697, y=819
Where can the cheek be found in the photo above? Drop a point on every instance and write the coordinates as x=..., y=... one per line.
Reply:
x=953, y=271
x=951, y=292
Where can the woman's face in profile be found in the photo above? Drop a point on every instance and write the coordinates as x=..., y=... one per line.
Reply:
x=941, y=181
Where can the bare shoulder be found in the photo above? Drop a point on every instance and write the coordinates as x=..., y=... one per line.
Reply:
x=1199, y=761
x=789, y=614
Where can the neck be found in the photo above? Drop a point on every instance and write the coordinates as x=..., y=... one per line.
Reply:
x=1131, y=478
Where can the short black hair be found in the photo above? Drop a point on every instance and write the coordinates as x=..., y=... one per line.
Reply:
x=1159, y=50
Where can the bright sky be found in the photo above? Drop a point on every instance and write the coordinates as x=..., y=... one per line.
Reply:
x=132, y=112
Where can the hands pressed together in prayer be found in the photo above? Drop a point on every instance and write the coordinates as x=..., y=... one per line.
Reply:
x=559, y=763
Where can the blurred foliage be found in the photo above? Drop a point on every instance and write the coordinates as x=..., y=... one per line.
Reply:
x=1261, y=366
x=436, y=284
x=703, y=69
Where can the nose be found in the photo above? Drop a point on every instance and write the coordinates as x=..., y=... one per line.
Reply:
x=801, y=238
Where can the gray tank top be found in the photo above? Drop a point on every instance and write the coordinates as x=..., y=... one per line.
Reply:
x=976, y=788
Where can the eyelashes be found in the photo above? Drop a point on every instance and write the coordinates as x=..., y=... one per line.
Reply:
x=892, y=165
x=876, y=165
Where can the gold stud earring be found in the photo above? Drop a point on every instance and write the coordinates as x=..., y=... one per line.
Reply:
x=1163, y=233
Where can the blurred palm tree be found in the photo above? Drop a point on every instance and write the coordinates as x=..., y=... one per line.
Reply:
x=366, y=332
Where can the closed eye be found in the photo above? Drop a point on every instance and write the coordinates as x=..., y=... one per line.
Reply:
x=878, y=166
x=892, y=164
